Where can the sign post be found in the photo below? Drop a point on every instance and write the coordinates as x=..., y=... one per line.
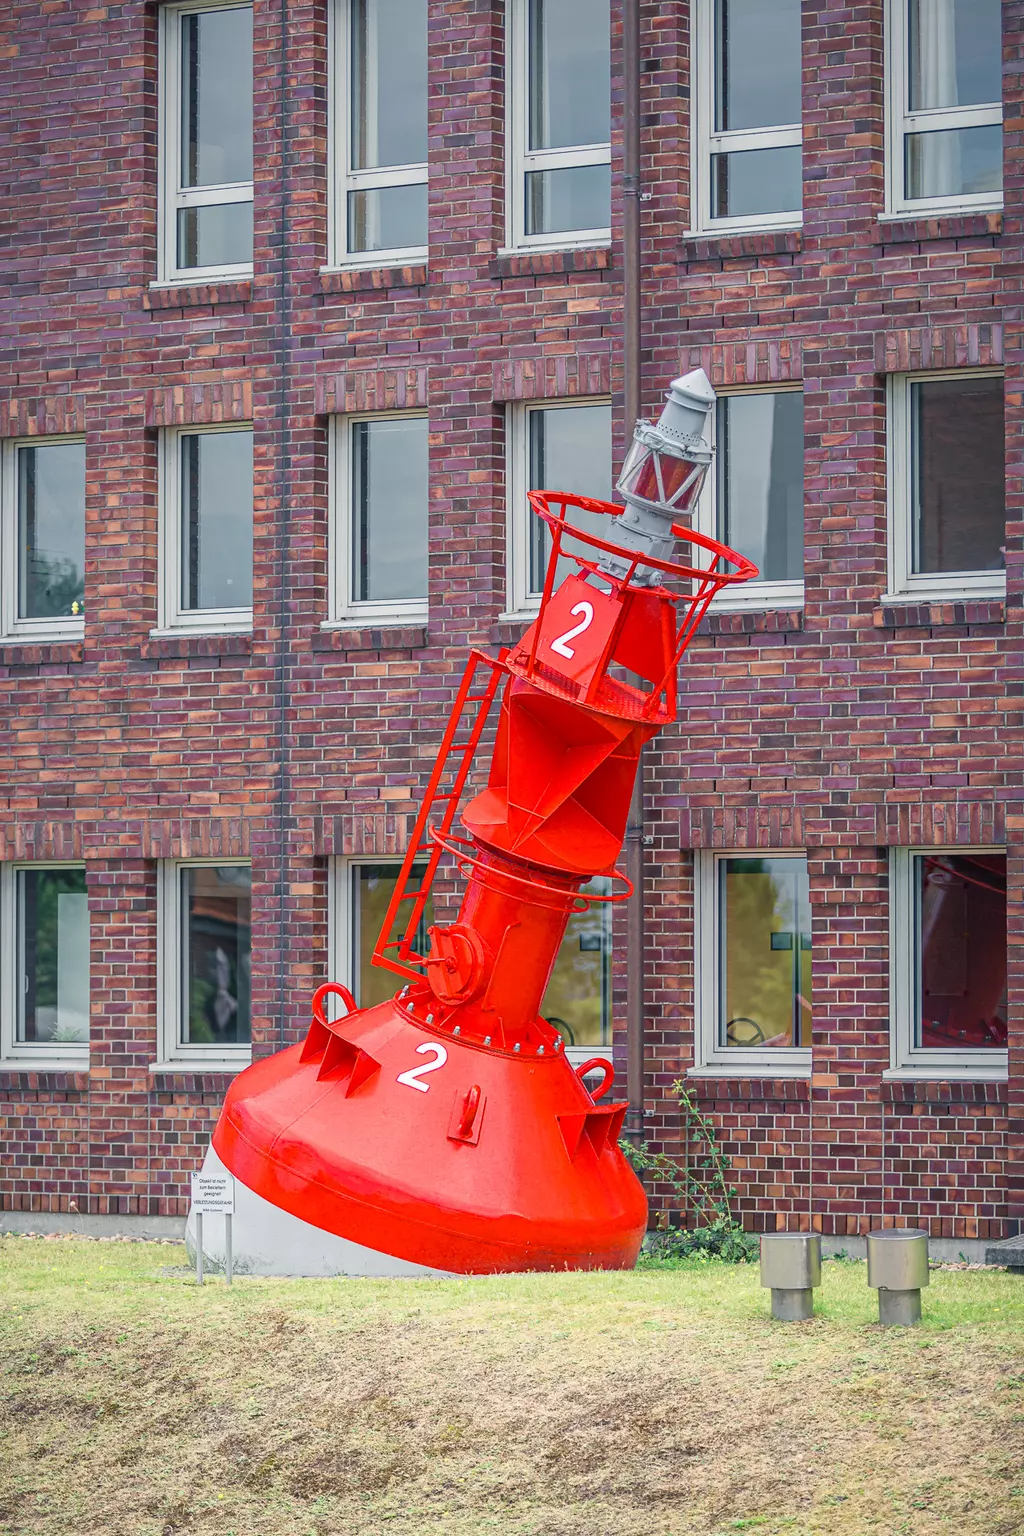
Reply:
x=213, y=1193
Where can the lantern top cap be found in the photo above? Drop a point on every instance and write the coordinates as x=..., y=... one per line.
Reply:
x=681, y=426
x=693, y=390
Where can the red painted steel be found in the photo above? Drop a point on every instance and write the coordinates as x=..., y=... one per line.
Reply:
x=445, y=1127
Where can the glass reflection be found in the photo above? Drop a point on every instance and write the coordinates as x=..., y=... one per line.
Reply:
x=577, y=197
x=765, y=953
x=387, y=218
x=216, y=97
x=761, y=480
x=961, y=947
x=954, y=162
x=757, y=65
x=216, y=520
x=959, y=483
x=955, y=49
x=389, y=86
x=51, y=530
x=570, y=449
x=373, y=886
x=215, y=235
x=389, y=498
x=570, y=77
x=216, y=906
x=53, y=968
x=755, y=181
x=578, y=996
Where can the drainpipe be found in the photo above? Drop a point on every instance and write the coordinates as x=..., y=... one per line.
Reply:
x=631, y=361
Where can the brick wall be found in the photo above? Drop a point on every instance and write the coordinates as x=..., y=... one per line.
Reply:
x=846, y=728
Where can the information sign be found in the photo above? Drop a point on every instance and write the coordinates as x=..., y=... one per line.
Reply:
x=213, y=1192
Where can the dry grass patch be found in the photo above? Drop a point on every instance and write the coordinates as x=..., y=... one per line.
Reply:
x=135, y=1404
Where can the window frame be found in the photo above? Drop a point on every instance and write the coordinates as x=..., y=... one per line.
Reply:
x=344, y=611
x=26, y=631
x=906, y=1059
x=172, y=619
x=710, y=1058
x=172, y=195
x=519, y=602
x=748, y=597
x=342, y=178
x=520, y=159
x=904, y=583
x=170, y=1049
x=707, y=141
x=900, y=121
x=46, y=1055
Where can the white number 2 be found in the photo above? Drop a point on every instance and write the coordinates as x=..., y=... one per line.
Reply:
x=412, y=1077
x=559, y=645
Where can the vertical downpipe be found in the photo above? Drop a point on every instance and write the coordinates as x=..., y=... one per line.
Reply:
x=631, y=366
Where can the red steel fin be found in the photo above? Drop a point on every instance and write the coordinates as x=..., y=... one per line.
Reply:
x=344, y=1060
x=600, y=1126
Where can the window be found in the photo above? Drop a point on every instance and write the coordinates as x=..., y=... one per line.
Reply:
x=947, y=518
x=948, y=962
x=204, y=972
x=42, y=549
x=747, y=169
x=379, y=138
x=945, y=138
x=754, y=500
x=578, y=997
x=360, y=894
x=753, y=964
x=559, y=106
x=206, y=141
x=554, y=448
x=44, y=929
x=206, y=530
x=379, y=525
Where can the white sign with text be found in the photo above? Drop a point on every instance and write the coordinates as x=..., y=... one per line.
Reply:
x=213, y=1192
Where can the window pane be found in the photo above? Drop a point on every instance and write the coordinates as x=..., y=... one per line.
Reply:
x=216, y=97
x=53, y=945
x=955, y=162
x=51, y=531
x=218, y=235
x=216, y=903
x=216, y=520
x=388, y=218
x=570, y=450
x=958, y=473
x=761, y=481
x=755, y=181
x=373, y=886
x=389, y=84
x=578, y=197
x=765, y=964
x=961, y=949
x=578, y=997
x=389, y=509
x=569, y=76
x=757, y=64
x=955, y=53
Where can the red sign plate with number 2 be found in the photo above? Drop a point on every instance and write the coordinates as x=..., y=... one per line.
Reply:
x=579, y=623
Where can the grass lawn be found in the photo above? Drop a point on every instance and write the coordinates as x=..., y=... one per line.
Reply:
x=563, y=1405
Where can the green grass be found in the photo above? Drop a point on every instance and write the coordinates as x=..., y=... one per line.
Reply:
x=660, y=1403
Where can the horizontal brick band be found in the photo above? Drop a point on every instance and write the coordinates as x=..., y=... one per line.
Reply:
x=21, y=839
x=764, y=360
x=371, y=389
x=939, y=346
x=354, y=833
x=942, y=824
x=777, y=826
x=42, y=416
x=553, y=378
x=199, y=404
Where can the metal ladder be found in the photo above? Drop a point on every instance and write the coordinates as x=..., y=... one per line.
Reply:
x=454, y=758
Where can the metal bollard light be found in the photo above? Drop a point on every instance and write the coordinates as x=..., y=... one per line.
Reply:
x=791, y=1266
x=898, y=1270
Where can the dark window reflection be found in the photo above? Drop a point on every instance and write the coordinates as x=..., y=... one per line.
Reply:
x=955, y=53
x=389, y=85
x=216, y=97
x=958, y=463
x=756, y=181
x=578, y=997
x=955, y=162
x=570, y=77
x=51, y=531
x=53, y=945
x=390, y=500
x=216, y=904
x=387, y=218
x=764, y=953
x=570, y=449
x=761, y=480
x=216, y=520
x=576, y=197
x=215, y=235
x=373, y=886
x=757, y=64
x=961, y=947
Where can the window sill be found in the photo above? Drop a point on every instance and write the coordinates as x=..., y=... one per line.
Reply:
x=910, y=613
x=188, y=1068
x=207, y=290
x=379, y=636
x=912, y=228
x=756, y=621
x=755, y=1071
x=372, y=279
x=949, y=1078
x=15, y=652
x=548, y=263
x=723, y=245
x=164, y=647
